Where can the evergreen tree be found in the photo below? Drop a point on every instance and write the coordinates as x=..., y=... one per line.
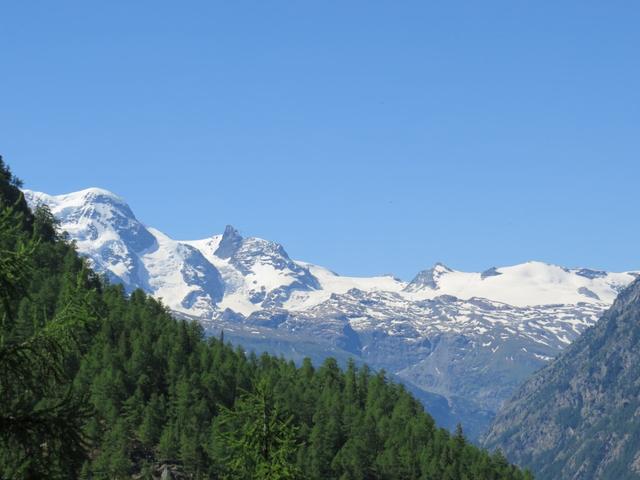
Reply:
x=259, y=442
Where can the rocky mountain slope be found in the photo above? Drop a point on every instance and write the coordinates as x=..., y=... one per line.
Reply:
x=461, y=341
x=579, y=417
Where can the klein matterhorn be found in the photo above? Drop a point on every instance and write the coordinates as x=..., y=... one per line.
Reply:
x=462, y=342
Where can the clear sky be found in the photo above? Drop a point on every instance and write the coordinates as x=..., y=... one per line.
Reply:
x=366, y=136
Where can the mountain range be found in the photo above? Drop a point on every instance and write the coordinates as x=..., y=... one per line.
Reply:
x=463, y=342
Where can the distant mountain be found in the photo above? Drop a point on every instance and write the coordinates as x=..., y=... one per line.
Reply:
x=579, y=417
x=461, y=341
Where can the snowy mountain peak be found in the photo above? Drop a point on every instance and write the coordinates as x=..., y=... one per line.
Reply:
x=85, y=206
x=81, y=198
x=101, y=222
x=96, y=194
x=229, y=244
x=428, y=278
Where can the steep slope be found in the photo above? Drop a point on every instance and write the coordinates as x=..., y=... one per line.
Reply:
x=467, y=338
x=579, y=418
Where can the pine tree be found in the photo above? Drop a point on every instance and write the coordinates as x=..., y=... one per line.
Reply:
x=259, y=442
x=152, y=421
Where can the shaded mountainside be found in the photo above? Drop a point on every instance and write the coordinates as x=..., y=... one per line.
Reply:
x=579, y=417
x=121, y=389
x=463, y=341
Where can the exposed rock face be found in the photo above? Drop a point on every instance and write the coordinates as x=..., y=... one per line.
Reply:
x=229, y=244
x=428, y=278
x=491, y=272
x=579, y=417
x=588, y=293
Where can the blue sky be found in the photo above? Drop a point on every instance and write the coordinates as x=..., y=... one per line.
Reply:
x=367, y=136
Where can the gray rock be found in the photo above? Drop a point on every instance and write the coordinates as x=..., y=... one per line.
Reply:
x=588, y=293
x=492, y=272
x=229, y=244
x=427, y=278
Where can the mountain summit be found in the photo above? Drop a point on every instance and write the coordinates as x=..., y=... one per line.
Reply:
x=229, y=243
x=428, y=278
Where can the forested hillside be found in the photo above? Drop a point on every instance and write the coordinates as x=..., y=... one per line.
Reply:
x=98, y=384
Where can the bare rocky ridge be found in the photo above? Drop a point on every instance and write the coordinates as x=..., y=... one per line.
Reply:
x=579, y=417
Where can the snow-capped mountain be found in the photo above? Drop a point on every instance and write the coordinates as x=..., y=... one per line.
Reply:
x=463, y=341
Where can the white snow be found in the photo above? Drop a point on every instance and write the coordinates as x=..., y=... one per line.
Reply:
x=525, y=285
x=333, y=283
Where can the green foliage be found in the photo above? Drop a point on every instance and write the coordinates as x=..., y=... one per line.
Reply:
x=41, y=418
x=95, y=383
x=256, y=441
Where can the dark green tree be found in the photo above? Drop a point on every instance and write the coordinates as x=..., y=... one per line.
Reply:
x=260, y=443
